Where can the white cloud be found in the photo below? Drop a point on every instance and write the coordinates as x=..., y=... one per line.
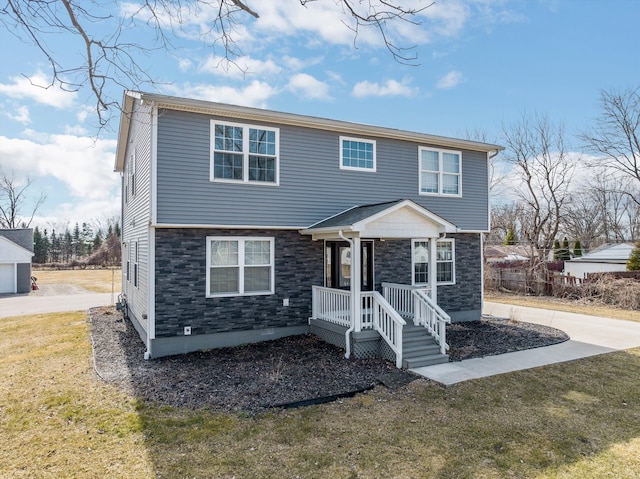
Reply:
x=239, y=68
x=450, y=80
x=20, y=114
x=389, y=88
x=306, y=86
x=38, y=88
x=83, y=165
x=254, y=94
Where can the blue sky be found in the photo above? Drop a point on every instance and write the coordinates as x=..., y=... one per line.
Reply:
x=482, y=63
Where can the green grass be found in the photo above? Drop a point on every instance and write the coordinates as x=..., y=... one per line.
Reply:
x=573, y=420
x=95, y=280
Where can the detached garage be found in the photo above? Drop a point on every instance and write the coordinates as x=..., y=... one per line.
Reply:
x=16, y=251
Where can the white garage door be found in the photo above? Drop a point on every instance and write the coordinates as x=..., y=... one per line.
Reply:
x=7, y=278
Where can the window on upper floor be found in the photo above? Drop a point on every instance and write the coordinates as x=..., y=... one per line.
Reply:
x=357, y=154
x=445, y=262
x=440, y=172
x=244, y=153
x=239, y=266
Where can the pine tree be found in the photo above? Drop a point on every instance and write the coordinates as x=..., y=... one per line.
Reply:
x=511, y=237
x=556, y=250
x=565, y=251
x=577, y=249
x=633, y=264
x=39, y=246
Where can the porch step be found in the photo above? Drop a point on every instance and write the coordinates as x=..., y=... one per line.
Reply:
x=419, y=348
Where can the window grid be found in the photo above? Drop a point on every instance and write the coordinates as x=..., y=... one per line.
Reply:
x=239, y=266
x=243, y=153
x=445, y=262
x=440, y=172
x=357, y=154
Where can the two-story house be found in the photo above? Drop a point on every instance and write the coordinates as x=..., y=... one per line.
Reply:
x=242, y=225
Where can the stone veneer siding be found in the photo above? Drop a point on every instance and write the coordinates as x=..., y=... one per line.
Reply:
x=181, y=282
x=393, y=264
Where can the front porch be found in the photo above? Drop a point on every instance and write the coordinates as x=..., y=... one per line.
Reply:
x=402, y=324
x=398, y=322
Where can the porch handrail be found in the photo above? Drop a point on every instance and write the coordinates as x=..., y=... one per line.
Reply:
x=388, y=323
x=428, y=314
x=400, y=297
x=332, y=305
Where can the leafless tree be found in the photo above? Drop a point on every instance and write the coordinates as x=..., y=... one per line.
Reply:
x=615, y=137
x=108, y=59
x=13, y=198
x=535, y=148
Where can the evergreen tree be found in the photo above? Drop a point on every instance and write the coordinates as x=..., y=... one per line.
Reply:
x=76, y=242
x=556, y=250
x=577, y=249
x=566, y=251
x=633, y=264
x=39, y=247
x=511, y=237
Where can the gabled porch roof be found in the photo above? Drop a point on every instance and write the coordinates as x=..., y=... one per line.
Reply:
x=398, y=219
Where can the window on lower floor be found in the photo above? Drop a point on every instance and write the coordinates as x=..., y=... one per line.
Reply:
x=239, y=266
x=445, y=261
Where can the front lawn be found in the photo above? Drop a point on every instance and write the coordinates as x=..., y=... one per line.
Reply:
x=578, y=419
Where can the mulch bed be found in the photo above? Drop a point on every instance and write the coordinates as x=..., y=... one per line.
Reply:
x=292, y=371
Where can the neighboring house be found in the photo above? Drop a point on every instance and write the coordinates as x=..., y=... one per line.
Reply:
x=508, y=253
x=242, y=225
x=16, y=251
x=605, y=258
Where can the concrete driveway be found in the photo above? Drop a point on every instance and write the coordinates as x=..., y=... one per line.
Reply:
x=23, y=304
x=590, y=335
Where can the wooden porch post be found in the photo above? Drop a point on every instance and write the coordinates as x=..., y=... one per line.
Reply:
x=433, y=269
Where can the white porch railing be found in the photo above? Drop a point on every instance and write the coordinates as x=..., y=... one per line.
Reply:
x=388, y=323
x=401, y=298
x=432, y=317
x=334, y=306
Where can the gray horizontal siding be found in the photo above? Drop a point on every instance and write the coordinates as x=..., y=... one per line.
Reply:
x=312, y=186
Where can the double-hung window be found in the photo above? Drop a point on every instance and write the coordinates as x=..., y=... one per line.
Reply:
x=440, y=172
x=244, y=153
x=357, y=154
x=445, y=261
x=239, y=266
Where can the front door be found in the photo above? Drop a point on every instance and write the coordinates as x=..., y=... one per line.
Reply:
x=338, y=265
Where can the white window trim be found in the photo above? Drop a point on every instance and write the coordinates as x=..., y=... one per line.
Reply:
x=355, y=168
x=453, y=261
x=241, y=266
x=245, y=153
x=136, y=265
x=440, y=172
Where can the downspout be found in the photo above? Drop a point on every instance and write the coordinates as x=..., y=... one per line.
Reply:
x=347, y=334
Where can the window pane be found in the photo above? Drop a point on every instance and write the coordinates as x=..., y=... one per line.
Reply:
x=444, y=251
x=257, y=278
x=429, y=182
x=224, y=253
x=429, y=160
x=262, y=168
x=357, y=154
x=450, y=184
x=421, y=252
x=421, y=273
x=224, y=280
x=228, y=138
x=262, y=141
x=444, y=272
x=450, y=163
x=257, y=252
x=227, y=166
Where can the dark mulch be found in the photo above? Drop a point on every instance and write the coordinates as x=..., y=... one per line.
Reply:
x=296, y=370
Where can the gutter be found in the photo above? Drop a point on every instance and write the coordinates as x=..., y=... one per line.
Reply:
x=347, y=334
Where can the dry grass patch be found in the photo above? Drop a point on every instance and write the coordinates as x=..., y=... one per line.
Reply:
x=569, y=306
x=56, y=419
x=96, y=280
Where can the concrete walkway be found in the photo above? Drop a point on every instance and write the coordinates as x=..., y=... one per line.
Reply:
x=23, y=304
x=590, y=335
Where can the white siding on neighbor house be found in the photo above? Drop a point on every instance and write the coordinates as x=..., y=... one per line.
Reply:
x=136, y=215
x=312, y=185
x=580, y=270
